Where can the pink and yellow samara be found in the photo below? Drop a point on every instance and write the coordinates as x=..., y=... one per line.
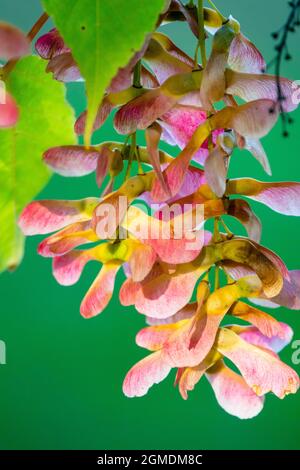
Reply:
x=177, y=101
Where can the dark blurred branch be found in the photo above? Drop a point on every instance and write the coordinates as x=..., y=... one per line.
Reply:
x=282, y=53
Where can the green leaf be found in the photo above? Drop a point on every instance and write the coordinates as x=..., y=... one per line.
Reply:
x=45, y=120
x=103, y=36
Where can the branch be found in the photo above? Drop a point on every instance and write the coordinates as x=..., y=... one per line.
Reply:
x=282, y=53
x=30, y=35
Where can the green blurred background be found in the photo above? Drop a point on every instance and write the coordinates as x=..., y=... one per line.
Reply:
x=62, y=385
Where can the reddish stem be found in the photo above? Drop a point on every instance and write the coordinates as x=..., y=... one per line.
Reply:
x=30, y=35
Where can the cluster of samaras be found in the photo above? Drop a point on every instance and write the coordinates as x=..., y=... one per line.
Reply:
x=166, y=94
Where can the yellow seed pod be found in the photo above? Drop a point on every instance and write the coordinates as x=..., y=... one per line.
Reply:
x=111, y=251
x=245, y=186
x=182, y=83
x=220, y=301
x=154, y=49
x=144, y=156
x=223, y=39
x=122, y=97
x=237, y=250
x=87, y=206
x=209, y=255
x=136, y=185
x=215, y=208
x=250, y=286
x=206, y=192
x=244, y=252
x=199, y=137
x=234, y=24
x=223, y=119
x=212, y=19
x=87, y=234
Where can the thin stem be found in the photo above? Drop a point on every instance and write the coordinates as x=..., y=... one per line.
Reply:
x=133, y=152
x=129, y=164
x=217, y=278
x=108, y=188
x=202, y=35
x=131, y=155
x=229, y=233
x=117, y=235
x=30, y=35
x=124, y=146
x=37, y=26
x=138, y=159
x=133, y=142
x=137, y=75
x=216, y=236
x=196, y=57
